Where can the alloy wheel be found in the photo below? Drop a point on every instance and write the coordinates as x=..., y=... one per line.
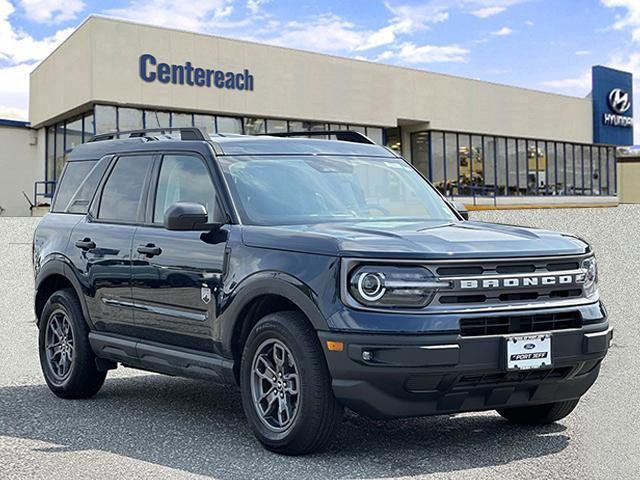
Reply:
x=275, y=385
x=59, y=345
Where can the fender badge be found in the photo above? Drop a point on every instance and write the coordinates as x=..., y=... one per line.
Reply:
x=205, y=293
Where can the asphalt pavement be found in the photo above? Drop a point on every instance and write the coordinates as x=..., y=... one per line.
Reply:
x=143, y=425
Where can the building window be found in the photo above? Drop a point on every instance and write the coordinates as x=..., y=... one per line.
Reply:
x=229, y=125
x=205, y=122
x=254, y=126
x=276, y=126
x=420, y=152
x=60, y=151
x=154, y=119
x=468, y=165
x=129, y=119
x=179, y=120
x=375, y=134
x=73, y=135
x=87, y=129
x=105, y=119
x=50, y=174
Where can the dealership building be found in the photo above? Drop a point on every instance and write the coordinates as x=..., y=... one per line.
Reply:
x=472, y=139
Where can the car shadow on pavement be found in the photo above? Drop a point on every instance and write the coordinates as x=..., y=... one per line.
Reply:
x=199, y=427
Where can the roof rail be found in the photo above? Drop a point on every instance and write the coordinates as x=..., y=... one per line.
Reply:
x=344, y=135
x=186, y=133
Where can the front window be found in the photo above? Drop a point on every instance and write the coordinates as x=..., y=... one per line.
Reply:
x=280, y=190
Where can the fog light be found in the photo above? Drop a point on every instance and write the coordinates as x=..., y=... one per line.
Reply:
x=367, y=355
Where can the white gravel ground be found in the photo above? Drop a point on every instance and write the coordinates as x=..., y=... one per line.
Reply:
x=149, y=426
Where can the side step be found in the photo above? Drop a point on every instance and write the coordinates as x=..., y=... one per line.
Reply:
x=156, y=357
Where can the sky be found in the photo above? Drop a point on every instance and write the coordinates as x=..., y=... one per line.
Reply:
x=547, y=45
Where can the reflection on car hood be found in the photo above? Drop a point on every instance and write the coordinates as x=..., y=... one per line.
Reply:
x=415, y=240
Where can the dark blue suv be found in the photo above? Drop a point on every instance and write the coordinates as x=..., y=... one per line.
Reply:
x=316, y=274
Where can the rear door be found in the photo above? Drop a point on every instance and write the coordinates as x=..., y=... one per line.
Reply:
x=177, y=274
x=101, y=243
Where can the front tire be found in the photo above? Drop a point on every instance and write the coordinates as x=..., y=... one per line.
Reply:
x=286, y=386
x=539, y=414
x=66, y=358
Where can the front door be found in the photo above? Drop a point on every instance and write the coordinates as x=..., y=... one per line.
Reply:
x=176, y=275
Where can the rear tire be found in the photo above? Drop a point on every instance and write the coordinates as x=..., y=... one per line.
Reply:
x=539, y=414
x=283, y=364
x=67, y=361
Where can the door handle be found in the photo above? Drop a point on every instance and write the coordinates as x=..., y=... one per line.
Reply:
x=149, y=250
x=86, y=244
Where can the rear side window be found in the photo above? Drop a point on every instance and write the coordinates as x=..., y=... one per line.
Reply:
x=74, y=174
x=123, y=190
x=82, y=198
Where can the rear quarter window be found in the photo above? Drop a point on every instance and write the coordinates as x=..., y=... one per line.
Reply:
x=74, y=175
x=84, y=194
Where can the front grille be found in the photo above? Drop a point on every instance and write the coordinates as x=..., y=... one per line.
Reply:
x=470, y=284
x=507, y=324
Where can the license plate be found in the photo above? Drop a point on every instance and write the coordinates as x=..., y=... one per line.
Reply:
x=526, y=352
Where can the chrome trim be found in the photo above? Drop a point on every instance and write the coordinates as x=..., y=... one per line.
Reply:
x=599, y=334
x=451, y=346
x=168, y=312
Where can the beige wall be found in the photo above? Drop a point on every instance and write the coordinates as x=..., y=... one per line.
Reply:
x=19, y=169
x=99, y=63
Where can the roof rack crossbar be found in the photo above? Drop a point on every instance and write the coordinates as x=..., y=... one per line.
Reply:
x=344, y=135
x=186, y=133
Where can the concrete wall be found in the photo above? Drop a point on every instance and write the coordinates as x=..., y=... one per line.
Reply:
x=19, y=168
x=99, y=63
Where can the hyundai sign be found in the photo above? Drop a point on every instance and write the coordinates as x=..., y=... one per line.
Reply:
x=612, y=97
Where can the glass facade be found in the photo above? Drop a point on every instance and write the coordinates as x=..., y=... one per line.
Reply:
x=457, y=163
x=467, y=164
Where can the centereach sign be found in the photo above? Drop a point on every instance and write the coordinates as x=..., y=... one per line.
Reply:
x=150, y=70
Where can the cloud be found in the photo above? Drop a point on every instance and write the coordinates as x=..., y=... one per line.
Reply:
x=631, y=18
x=14, y=91
x=488, y=11
x=583, y=53
x=19, y=54
x=529, y=23
x=254, y=6
x=195, y=15
x=17, y=46
x=411, y=54
x=578, y=86
x=503, y=32
x=51, y=11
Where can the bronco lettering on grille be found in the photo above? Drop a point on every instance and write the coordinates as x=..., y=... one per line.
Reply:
x=516, y=282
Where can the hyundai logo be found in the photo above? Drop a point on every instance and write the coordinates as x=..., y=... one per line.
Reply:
x=529, y=346
x=619, y=100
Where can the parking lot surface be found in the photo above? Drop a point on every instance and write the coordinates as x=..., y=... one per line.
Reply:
x=144, y=425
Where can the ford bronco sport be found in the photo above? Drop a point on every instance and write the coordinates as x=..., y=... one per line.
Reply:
x=316, y=274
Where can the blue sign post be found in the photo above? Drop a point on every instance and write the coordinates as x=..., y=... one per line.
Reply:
x=612, y=97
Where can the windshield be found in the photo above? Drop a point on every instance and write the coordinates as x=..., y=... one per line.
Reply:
x=284, y=190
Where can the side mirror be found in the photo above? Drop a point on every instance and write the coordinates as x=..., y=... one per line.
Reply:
x=186, y=216
x=461, y=209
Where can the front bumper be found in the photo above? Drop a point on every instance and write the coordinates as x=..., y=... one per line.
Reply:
x=416, y=375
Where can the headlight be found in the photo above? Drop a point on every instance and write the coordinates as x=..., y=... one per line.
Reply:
x=590, y=269
x=388, y=286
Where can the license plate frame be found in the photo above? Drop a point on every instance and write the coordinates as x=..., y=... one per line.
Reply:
x=528, y=352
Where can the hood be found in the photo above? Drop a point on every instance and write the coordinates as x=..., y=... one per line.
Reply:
x=415, y=240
